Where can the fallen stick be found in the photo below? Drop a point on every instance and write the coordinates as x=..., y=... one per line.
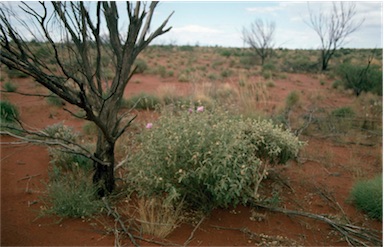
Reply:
x=28, y=177
x=354, y=235
x=118, y=219
x=193, y=232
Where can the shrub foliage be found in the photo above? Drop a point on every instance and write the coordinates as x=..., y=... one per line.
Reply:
x=70, y=190
x=361, y=78
x=368, y=196
x=208, y=159
x=8, y=112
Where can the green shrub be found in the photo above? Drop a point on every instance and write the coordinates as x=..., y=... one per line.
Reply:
x=267, y=74
x=360, y=79
x=70, y=190
x=368, y=196
x=226, y=73
x=69, y=161
x=71, y=195
x=141, y=66
x=343, y=112
x=225, y=52
x=9, y=87
x=292, y=99
x=55, y=100
x=208, y=159
x=269, y=66
x=8, y=112
x=13, y=73
x=336, y=84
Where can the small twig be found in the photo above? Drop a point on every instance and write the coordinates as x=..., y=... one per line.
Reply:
x=118, y=219
x=28, y=177
x=27, y=188
x=154, y=241
x=193, y=232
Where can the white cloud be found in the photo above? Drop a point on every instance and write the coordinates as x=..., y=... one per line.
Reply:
x=195, y=29
x=264, y=9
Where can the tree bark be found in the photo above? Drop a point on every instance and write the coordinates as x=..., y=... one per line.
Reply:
x=104, y=177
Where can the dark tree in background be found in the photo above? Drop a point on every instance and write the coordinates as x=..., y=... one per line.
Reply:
x=333, y=28
x=83, y=40
x=260, y=37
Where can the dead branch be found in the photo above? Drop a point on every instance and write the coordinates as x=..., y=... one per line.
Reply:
x=193, y=232
x=117, y=217
x=354, y=235
x=28, y=177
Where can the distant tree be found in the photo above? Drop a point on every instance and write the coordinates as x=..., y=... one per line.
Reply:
x=333, y=28
x=260, y=37
x=83, y=41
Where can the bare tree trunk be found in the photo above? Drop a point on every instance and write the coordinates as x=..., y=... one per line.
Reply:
x=104, y=177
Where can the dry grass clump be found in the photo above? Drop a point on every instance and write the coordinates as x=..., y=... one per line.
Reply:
x=157, y=217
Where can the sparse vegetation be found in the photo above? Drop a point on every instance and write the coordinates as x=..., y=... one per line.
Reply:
x=187, y=169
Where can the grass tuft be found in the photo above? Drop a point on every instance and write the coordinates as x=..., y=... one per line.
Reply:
x=368, y=196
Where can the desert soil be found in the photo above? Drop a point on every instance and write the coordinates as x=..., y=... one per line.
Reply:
x=320, y=183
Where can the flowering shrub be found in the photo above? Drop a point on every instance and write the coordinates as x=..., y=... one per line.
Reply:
x=207, y=158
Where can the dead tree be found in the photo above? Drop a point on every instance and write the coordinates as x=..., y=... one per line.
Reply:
x=82, y=46
x=260, y=38
x=333, y=29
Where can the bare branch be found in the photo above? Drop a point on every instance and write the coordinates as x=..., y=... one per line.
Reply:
x=260, y=37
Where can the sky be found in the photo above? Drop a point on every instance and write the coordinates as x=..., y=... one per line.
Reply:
x=220, y=23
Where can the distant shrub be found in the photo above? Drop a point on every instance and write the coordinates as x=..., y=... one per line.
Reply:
x=226, y=73
x=269, y=66
x=143, y=101
x=360, y=79
x=270, y=84
x=209, y=159
x=267, y=74
x=183, y=77
x=337, y=84
x=90, y=128
x=247, y=61
x=292, y=99
x=186, y=48
x=226, y=53
x=368, y=196
x=8, y=112
x=213, y=77
x=13, y=73
x=9, y=87
x=343, y=112
x=142, y=66
x=299, y=64
x=55, y=100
